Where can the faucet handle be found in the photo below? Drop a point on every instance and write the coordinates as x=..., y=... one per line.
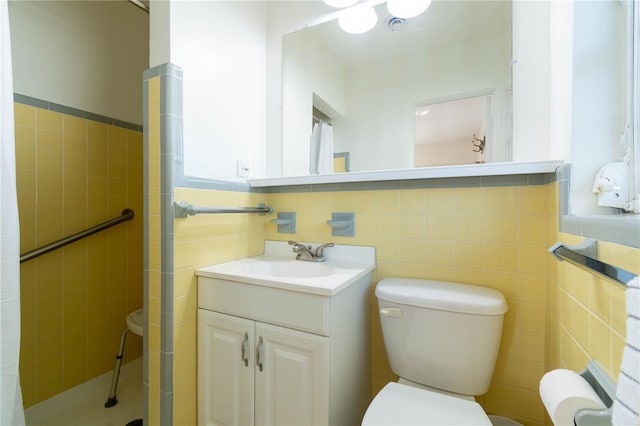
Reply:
x=299, y=248
x=320, y=249
x=304, y=252
x=296, y=245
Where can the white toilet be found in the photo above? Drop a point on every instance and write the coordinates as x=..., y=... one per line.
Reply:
x=442, y=340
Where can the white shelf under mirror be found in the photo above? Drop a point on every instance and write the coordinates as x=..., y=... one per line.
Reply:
x=467, y=170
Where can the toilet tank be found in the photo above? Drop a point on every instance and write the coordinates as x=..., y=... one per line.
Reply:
x=441, y=334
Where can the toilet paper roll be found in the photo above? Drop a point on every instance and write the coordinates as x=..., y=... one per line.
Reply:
x=564, y=393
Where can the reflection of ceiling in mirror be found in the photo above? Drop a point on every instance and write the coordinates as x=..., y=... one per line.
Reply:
x=444, y=22
x=451, y=121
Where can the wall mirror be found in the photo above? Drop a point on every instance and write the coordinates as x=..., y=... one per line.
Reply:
x=373, y=88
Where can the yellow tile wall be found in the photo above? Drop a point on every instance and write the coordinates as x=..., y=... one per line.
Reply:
x=494, y=237
x=73, y=173
x=589, y=312
x=199, y=241
x=586, y=314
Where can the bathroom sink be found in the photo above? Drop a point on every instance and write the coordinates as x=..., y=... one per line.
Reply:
x=288, y=268
x=301, y=329
x=278, y=268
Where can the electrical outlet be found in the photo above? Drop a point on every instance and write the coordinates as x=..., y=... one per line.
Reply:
x=244, y=169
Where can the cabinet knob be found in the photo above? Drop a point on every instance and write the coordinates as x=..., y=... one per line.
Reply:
x=244, y=349
x=259, y=354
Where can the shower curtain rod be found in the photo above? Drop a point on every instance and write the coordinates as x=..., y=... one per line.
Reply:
x=127, y=214
x=320, y=120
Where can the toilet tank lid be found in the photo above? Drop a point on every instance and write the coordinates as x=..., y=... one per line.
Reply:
x=442, y=295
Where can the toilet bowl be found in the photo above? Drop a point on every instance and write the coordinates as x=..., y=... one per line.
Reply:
x=442, y=340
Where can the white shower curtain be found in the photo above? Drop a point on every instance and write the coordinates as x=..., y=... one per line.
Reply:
x=11, y=411
x=321, y=158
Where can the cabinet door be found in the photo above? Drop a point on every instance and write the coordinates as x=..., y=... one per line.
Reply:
x=225, y=369
x=292, y=377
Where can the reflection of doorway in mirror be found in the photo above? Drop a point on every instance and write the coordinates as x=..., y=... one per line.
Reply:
x=446, y=133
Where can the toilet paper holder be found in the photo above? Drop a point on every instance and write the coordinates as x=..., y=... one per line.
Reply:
x=605, y=389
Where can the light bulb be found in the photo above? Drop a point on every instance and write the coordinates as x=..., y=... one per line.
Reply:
x=359, y=19
x=340, y=3
x=407, y=8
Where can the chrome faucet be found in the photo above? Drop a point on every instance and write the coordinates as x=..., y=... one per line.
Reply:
x=305, y=252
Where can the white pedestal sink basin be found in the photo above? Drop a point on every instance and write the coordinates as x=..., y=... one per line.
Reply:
x=288, y=268
x=278, y=268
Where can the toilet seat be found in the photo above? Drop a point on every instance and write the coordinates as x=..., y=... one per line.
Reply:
x=398, y=404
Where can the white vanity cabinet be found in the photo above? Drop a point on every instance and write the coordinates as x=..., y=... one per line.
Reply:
x=290, y=354
x=255, y=373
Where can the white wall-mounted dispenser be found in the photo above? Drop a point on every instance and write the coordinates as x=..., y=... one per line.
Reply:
x=611, y=185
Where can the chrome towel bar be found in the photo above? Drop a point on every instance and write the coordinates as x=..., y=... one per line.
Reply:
x=182, y=209
x=127, y=214
x=575, y=255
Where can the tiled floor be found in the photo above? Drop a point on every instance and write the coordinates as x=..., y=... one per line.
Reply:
x=84, y=404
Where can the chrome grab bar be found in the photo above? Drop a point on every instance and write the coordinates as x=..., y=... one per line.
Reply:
x=182, y=209
x=574, y=256
x=127, y=214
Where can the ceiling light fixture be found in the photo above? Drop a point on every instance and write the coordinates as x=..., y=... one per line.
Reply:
x=407, y=8
x=394, y=23
x=340, y=3
x=358, y=19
